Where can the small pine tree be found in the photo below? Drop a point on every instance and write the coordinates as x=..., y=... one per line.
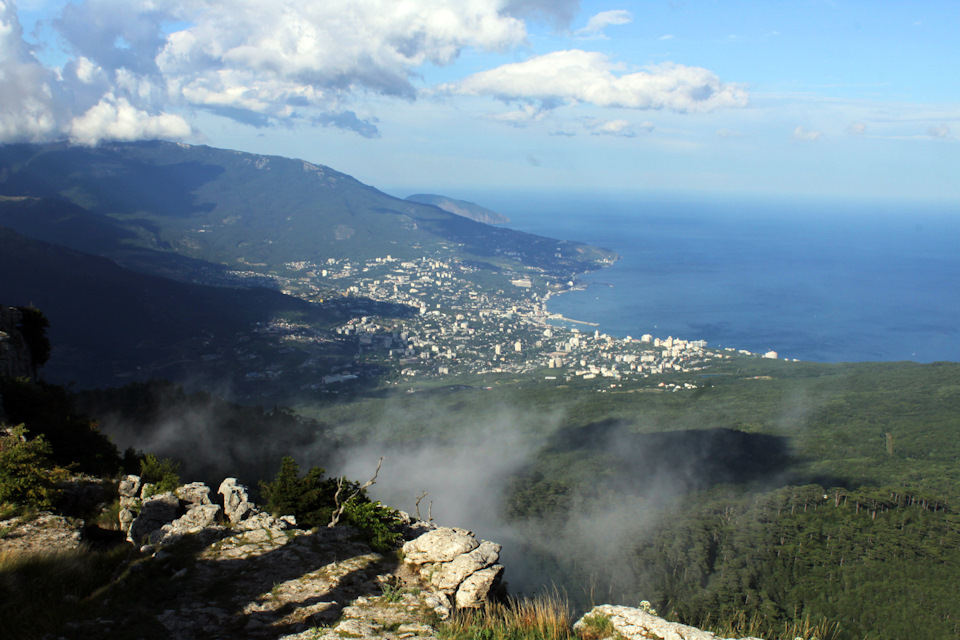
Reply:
x=161, y=475
x=27, y=475
x=312, y=500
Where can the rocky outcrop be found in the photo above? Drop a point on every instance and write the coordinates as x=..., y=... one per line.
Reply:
x=41, y=532
x=636, y=624
x=458, y=571
x=158, y=520
x=155, y=512
x=236, y=501
x=15, y=360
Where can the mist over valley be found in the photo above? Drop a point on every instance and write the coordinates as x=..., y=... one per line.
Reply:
x=225, y=310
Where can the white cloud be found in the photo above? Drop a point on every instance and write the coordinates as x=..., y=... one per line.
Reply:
x=116, y=119
x=597, y=23
x=583, y=76
x=328, y=48
x=666, y=36
x=801, y=133
x=857, y=129
x=138, y=68
x=613, y=128
x=938, y=131
x=28, y=92
x=258, y=61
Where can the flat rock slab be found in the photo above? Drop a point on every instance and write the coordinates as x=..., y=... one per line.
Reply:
x=637, y=624
x=262, y=583
x=42, y=532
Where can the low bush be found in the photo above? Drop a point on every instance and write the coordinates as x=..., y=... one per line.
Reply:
x=313, y=499
x=27, y=474
x=161, y=475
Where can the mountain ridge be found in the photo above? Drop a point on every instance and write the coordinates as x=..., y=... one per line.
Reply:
x=462, y=208
x=231, y=207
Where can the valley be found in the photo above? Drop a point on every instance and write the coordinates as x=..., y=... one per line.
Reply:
x=226, y=309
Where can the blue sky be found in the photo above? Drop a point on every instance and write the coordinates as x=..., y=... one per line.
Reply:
x=784, y=98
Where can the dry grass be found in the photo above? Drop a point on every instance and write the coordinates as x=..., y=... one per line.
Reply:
x=544, y=617
x=757, y=626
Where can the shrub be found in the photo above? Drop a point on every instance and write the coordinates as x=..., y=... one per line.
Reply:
x=373, y=521
x=161, y=475
x=313, y=499
x=27, y=475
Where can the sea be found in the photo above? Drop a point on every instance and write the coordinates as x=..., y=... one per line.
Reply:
x=812, y=279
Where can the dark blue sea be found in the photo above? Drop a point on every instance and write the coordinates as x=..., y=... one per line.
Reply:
x=827, y=281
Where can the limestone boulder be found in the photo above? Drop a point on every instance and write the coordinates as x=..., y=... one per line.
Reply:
x=448, y=576
x=194, y=493
x=197, y=519
x=155, y=512
x=440, y=545
x=129, y=487
x=236, y=500
x=477, y=588
x=637, y=624
x=127, y=516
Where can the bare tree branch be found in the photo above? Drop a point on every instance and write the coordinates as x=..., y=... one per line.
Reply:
x=417, y=504
x=340, y=506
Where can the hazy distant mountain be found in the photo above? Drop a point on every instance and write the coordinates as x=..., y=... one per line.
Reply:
x=110, y=242
x=461, y=208
x=236, y=208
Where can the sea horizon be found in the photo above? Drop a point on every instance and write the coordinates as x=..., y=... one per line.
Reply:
x=817, y=279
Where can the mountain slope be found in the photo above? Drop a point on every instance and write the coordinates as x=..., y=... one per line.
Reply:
x=460, y=207
x=236, y=208
x=105, y=318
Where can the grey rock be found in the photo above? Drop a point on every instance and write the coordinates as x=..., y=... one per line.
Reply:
x=126, y=517
x=440, y=545
x=129, y=487
x=155, y=512
x=448, y=576
x=236, y=501
x=476, y=589
x=194, y=493
x=637, y=624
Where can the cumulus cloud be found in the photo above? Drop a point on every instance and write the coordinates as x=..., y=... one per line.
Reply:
x=807, y=135
x=597, y=23
x=79, y=102
x=565, y=77
x=938, y=131
x=857, y=129
x=140, y=68
x=256, y=61
x=319, y=50
x=28, y=91
x=116, y=119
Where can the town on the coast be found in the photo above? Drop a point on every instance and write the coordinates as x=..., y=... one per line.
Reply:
x=457, y=326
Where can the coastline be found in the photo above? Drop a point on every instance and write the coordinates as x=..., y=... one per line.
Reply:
x=556, y=317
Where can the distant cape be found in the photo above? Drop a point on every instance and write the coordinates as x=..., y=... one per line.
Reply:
x=461, y=208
